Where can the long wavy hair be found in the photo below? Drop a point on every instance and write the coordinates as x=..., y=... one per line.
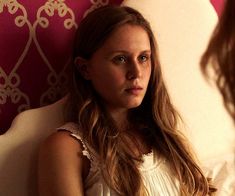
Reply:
x=156, y=115
x=220, y=55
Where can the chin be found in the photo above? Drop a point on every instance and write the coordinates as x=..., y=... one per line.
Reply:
x=134, y=105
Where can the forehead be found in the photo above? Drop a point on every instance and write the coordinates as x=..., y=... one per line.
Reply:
x=128, y=37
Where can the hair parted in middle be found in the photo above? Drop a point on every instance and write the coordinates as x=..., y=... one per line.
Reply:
x=156, y=113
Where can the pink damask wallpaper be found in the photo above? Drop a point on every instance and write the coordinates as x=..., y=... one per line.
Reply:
x=218, y=5
x=36, y=39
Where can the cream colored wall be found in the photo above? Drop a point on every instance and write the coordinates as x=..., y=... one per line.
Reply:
x=182, y=30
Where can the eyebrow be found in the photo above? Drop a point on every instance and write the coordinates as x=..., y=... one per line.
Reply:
x=125, y=52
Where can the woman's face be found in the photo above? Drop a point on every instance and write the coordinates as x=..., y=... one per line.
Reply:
x=121, y=68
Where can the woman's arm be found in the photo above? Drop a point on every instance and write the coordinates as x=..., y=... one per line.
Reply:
x=60, y=166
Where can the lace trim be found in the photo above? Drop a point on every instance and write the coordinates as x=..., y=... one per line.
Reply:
x=74, y=130
x=85, y=151
x=148, y=154
x=151, y=160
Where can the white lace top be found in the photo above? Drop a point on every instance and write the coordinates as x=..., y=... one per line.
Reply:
x=155, y=172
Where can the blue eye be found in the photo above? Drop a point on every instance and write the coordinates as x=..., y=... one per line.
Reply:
x=143, y=58
x=120, y=59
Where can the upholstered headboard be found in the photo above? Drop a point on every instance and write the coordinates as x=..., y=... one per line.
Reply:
x=36, y=40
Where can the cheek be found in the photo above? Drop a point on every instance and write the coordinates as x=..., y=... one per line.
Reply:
x=117, y=77
x=112, y=83
x=108, y=80
x=147, y=73
x=113, y=75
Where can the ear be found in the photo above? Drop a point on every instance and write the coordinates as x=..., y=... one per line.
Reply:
x=82, y=67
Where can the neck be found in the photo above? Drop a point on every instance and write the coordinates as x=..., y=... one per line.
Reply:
x=133, y=137
x=120, y=118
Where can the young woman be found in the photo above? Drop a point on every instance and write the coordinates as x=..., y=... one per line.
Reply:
x=220, y=55
x=122, y=138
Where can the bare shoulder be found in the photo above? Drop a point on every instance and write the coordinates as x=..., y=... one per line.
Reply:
x=60, y=165
x=60, y=142
x=60, y=146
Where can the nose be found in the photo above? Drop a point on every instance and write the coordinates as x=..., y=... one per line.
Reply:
x=134, y=70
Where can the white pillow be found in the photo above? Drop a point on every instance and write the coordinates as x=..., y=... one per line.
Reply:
x=182, y=29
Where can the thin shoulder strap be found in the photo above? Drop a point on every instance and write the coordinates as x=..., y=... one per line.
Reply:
x=76, y=133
